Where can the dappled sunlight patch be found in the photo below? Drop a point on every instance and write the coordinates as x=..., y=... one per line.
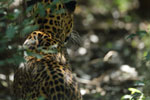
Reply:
x=82, y=51
x=94, y=38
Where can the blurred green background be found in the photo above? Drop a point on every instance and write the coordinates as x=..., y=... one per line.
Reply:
x=114, y=54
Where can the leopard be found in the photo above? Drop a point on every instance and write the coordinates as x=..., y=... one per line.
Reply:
x=46, y=73
x=58, y=18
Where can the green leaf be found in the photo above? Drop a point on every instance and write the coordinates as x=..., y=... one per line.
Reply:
x=60, y=11
x=131, y=36
x=10, y=2
x=139, y=83
x=138, y=33
x=147, y=57
x=29, y=53
x=133, y=90
x=10, y=32
x=28, y=29
x=136, y=95
x=126, y=97
x=52, y=7
x=10, y=16
x=27, y=22
x=16, y=14
x=29, y=9
x=41, y=98
x=52, y=49
x=141, y=33
x=55, y=2
x=41, y=10
x=18, y=58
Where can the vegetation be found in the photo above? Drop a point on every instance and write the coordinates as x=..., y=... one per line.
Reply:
x=113, y=59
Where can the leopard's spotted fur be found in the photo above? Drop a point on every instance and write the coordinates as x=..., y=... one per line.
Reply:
x=48, y=76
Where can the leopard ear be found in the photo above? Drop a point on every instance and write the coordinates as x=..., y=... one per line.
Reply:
x=71, y=5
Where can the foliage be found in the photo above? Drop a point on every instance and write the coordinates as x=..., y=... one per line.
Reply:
x=104, y=26
x=138, y=33
x=135, y=95
x=16, y=29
